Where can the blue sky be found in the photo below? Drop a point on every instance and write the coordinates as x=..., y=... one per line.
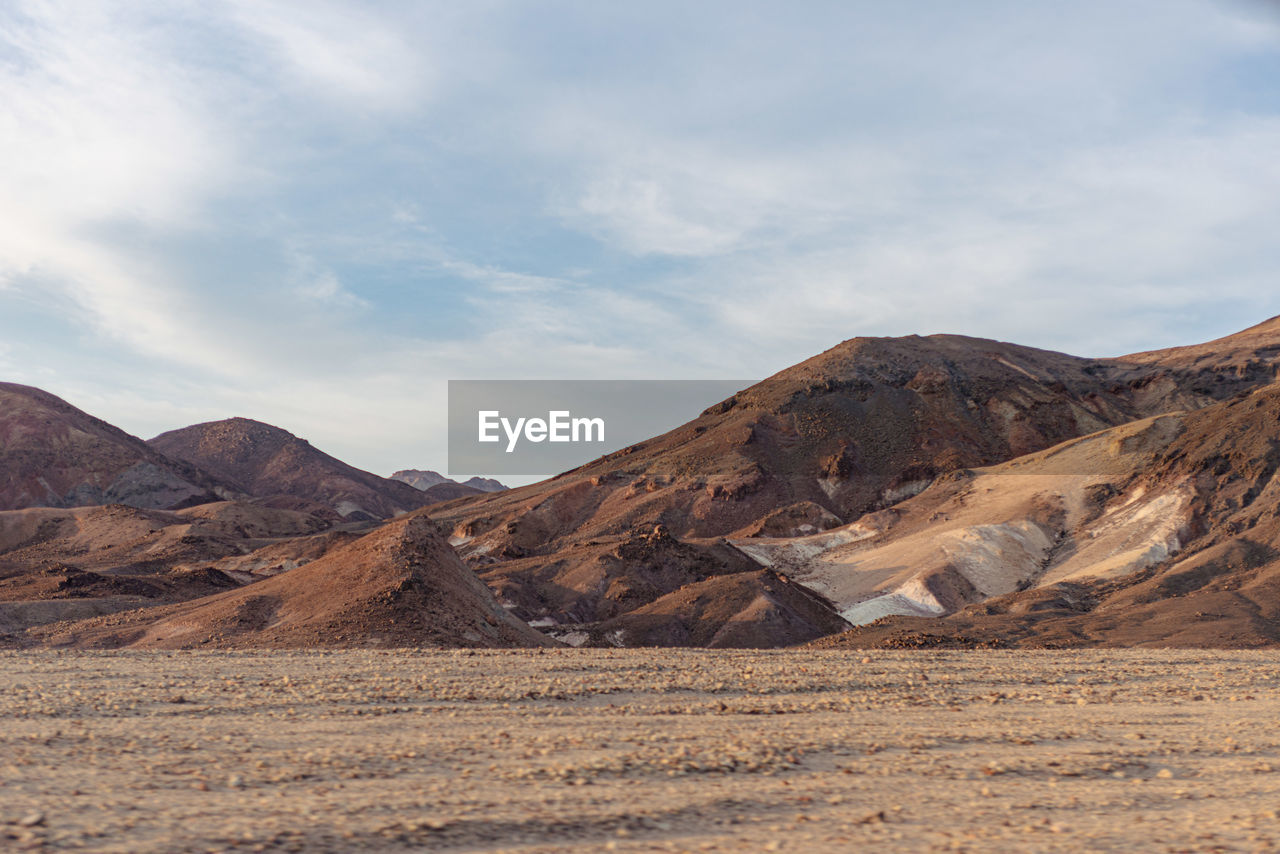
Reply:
x=316, y=213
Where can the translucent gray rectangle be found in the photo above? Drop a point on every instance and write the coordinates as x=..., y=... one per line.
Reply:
x=544, y=427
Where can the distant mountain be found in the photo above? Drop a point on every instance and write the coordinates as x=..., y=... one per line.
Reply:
x=484, y=484
x=273, y=465
x=267, y=569
x=424, y=480
x=420, y=479
x=448, y=491
x=54, y=455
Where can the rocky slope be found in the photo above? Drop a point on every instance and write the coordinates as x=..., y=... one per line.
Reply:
x=54, y=455
x=100, y=575
x=275, y=466
x=399, y=586
x=1208, y=553
x=64, y=564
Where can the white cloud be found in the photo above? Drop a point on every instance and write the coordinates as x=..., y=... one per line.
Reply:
x=1071, y=254
x=338, y=51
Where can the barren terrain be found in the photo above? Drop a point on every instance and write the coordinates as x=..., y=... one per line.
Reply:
x=639, y=750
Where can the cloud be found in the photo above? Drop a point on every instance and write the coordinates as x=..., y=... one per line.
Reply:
x=309, y=215
x=337, y=51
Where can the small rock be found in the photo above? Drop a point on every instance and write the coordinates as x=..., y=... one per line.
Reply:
x=33, y=819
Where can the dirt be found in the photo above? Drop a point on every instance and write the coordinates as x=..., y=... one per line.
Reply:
x=639, y=750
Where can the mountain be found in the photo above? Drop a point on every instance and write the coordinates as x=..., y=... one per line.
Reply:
x=400, y=585
x=1076, y=512
x=835, y=444
x=425, y=480
x=273, y=465
x=420, y=479
x=484, y=484
x=745, y=610
x=54, y=455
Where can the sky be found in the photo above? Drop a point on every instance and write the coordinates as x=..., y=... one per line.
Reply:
x=315, y=214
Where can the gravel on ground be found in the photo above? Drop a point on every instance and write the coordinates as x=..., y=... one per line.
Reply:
x=640, y=750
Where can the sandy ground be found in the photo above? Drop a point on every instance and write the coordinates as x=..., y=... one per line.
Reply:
x=640, y=750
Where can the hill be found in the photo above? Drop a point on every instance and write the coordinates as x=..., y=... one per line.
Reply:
x=273, y=465
x=55, y=455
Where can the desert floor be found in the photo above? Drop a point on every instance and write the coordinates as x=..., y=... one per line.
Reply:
x=640, y=750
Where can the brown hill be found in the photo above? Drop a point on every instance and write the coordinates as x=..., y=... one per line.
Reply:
x=275, y=466
x=747, y=610
x=399, y=586
x=54, y=455
x=597, y=581
x=858, y=429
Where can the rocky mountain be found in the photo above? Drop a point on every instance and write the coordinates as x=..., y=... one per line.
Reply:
x=900, y=492
x=399, y=586
x=425, y=480
x=420, y=479
x=834, y=445
x=275, y=466
x=54, y=455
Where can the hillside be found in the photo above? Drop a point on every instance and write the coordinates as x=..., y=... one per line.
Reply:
x=54, y=455
x=1208, y=549
x=273, y=465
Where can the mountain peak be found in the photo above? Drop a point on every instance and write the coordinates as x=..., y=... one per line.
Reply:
x=426, y=479
x=269, y=462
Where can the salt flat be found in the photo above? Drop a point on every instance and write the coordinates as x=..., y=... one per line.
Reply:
x=640, y=750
